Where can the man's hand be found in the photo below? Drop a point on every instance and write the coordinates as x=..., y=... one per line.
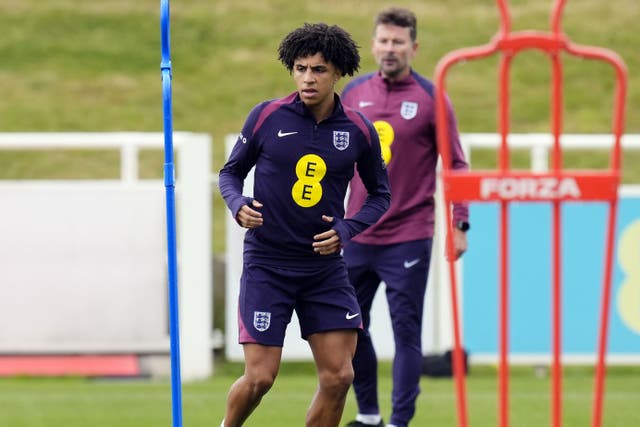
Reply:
x=250, y=218
x=459, y=244
x=328, y=242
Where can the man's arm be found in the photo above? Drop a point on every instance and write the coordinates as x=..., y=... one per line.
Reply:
x=373, y=173
x=242, y=158
x=460, y=215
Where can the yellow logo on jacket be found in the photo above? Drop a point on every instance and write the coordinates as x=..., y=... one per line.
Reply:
x=307, y=190
x=386, y=135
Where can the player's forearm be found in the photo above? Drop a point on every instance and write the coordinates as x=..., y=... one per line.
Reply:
x=231, y=190
x=372, y=210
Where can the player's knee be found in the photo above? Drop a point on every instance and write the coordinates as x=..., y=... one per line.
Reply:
x=260, y=384
x=337, y=381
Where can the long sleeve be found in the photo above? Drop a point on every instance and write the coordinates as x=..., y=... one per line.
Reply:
x=372, y=170
x=243, y=157
x=458, y=163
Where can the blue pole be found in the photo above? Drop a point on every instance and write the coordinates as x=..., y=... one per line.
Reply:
x=169, y=183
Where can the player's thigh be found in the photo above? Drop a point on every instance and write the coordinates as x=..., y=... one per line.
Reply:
x=261, y=361
x=333, y=350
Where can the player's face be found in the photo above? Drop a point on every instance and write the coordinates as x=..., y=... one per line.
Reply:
x=393, y=50
x=315, y=79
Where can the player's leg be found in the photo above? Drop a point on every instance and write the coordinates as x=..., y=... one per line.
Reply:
x=405, y=273
x=261, y=367
x=359, y=259
x=265, y=306
x=332, y=352
x=329, y=317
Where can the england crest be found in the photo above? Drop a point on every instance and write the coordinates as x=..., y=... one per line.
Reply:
x=408, y=110
x=261, y=320
x=340, y=139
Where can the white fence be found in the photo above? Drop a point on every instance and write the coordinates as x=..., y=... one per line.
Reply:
x=437, y=333
x=84, y=261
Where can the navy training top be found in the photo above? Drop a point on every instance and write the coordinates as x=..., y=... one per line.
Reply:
x=302, y=171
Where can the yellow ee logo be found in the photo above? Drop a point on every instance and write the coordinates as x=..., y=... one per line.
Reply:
x=628, y=300
x=386, y=135
x=307, y=190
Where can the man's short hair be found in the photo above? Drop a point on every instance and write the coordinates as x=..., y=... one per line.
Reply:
x=400, y=17
x=334, y=43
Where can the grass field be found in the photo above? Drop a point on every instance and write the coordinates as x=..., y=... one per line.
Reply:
x=79, y=402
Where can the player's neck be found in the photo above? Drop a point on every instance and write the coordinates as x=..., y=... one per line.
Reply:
x=323, y=110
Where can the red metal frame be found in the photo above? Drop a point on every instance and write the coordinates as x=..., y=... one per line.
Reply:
x=556, y=187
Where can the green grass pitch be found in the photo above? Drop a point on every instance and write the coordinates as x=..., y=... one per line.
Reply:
x=77, y=402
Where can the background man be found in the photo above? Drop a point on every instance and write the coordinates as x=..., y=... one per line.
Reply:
x=397, y=249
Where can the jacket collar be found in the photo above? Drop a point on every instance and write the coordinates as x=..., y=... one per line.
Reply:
x=299, y=106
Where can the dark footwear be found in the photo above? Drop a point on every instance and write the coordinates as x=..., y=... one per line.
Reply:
x=359, y=424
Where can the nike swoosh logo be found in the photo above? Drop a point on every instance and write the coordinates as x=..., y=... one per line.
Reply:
x=281, y=134
x=350, y=316
x=409, y=264
x=363, y=104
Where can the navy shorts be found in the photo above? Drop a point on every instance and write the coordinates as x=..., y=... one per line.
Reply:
x=323, y=299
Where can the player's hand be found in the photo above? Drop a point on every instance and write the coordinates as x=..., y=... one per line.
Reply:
x=248, y=217
x=459, y=244
x=328, y=242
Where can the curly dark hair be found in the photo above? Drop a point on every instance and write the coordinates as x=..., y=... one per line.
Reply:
x=334, y=43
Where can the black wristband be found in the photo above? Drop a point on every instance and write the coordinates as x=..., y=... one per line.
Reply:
x=463, y=226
